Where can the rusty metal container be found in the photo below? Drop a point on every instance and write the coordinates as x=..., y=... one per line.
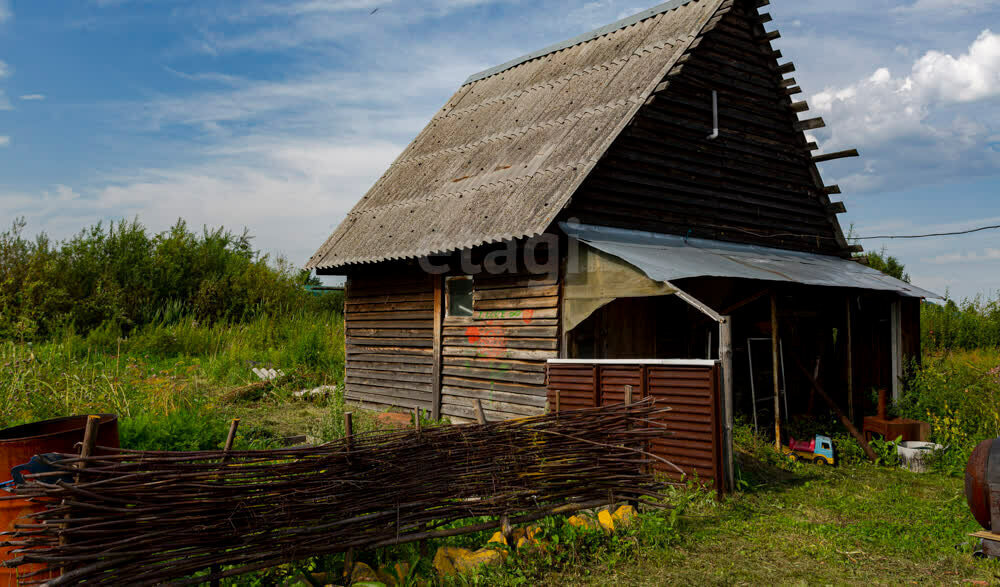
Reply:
x=19, y=444
x=982, y=484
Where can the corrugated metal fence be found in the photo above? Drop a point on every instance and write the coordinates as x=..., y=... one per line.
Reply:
x=693, y=439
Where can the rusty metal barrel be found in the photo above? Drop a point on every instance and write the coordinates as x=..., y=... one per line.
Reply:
x=982, y=483
x=18, y=445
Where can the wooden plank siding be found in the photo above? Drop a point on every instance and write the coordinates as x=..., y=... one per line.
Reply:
x=756, y=183
x=498, y=356
x=390, y=335
x=692, y=439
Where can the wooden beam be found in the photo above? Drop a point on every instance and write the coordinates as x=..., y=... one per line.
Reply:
x=437, y=346
x=746, y=301
x=786, y=68
x=770, y=37
x=776, y=54
x=786, y=83
x=726, y=358
x=696, y=303
x=833, y=406
x=775, y=358
x=837, y=155
x=793, y=90
x=850, y=363
x=661, y=87
x=855, y=249
x=836, y=208
x=811, y=146
x=831, y=189
x=800, y=106
x=810, y=124
x=765, y=17
x=762, y=3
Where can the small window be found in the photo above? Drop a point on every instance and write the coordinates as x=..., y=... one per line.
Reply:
x=826, y=446
x=459, y=296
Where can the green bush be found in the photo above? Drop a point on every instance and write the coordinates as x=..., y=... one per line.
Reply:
x=122, y=277
x=969, y=325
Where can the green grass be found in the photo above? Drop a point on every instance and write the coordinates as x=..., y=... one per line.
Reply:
x=855, y=525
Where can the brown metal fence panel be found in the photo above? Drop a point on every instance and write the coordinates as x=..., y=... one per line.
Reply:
x=693, y=436
x=694, y=433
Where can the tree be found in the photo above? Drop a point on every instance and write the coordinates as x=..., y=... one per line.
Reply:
x=887, y=264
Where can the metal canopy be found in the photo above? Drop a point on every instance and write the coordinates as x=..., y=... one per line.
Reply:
x=665, y=257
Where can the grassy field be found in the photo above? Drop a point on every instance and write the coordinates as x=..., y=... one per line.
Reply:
x=854, y=525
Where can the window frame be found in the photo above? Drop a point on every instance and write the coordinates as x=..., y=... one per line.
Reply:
x=448, y=317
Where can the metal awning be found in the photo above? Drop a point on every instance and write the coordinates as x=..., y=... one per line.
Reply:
x=665, y=257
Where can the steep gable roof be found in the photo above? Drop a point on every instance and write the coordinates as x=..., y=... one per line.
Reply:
x=509, y=149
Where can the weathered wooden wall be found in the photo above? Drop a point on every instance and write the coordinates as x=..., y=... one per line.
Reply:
x=390, y=325
x=693, y=437
x=498, y=356
x=755, y=183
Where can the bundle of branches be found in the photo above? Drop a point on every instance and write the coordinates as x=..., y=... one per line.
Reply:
x=146, y=518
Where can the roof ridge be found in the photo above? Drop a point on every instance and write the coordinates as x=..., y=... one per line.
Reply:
x=585, y=37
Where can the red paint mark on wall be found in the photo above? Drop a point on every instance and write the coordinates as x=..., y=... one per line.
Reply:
x=490, y=341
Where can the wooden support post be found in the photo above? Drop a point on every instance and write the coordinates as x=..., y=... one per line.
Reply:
x=628, y=395
x=348, y=429
x=480, y=414
x=850, y=363
x=557, y=401
x=416, y=420
x=437, y=349
x=774, y=371
x=233, y=426
x=726, y=357
x=230, y=440
x=86, y=450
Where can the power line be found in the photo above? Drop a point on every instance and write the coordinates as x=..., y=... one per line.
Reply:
x=956, y=233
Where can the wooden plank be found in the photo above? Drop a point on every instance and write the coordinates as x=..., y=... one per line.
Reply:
x=390, y=367
x=526, y=315
x=473, y=383
x=831, y=189
x=391, y=306
x=359, y=374
x=390, y=332
x=504, y=343
x=505, y=331
x=494, y=374
x=837, y=155
x=409, y=315
x=386, y=351
x=786, y=68
x=520, y=292
x=836, y=208
x=518, y=304
x=800, y=107
x=388, y=324
x=400, y=387
x=809, y=124
x=437, y=347
x=401, y=342
x=515, y=281
x=457, y=351
x=535, y=400
x=495, y=410
x=491, y=363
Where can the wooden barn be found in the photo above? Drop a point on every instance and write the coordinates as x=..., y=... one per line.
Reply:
x=634, y=211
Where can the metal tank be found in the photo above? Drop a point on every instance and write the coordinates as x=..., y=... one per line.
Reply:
x=18, y=445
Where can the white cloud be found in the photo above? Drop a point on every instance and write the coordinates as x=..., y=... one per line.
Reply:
x=924, y=123
x=33, y=97
x=4, y=69
x=4, y=141
x=989, y=254
x=5, y=12
x=949, y=6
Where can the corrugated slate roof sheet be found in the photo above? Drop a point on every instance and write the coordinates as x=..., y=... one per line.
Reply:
x=508, y=150
x=667, y=257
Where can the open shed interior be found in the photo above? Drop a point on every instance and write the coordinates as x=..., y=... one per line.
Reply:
x=843, y=338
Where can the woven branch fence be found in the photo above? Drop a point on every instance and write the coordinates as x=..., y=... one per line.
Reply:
x=146, y=518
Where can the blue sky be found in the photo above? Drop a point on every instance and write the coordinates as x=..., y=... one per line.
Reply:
x=278, y=115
